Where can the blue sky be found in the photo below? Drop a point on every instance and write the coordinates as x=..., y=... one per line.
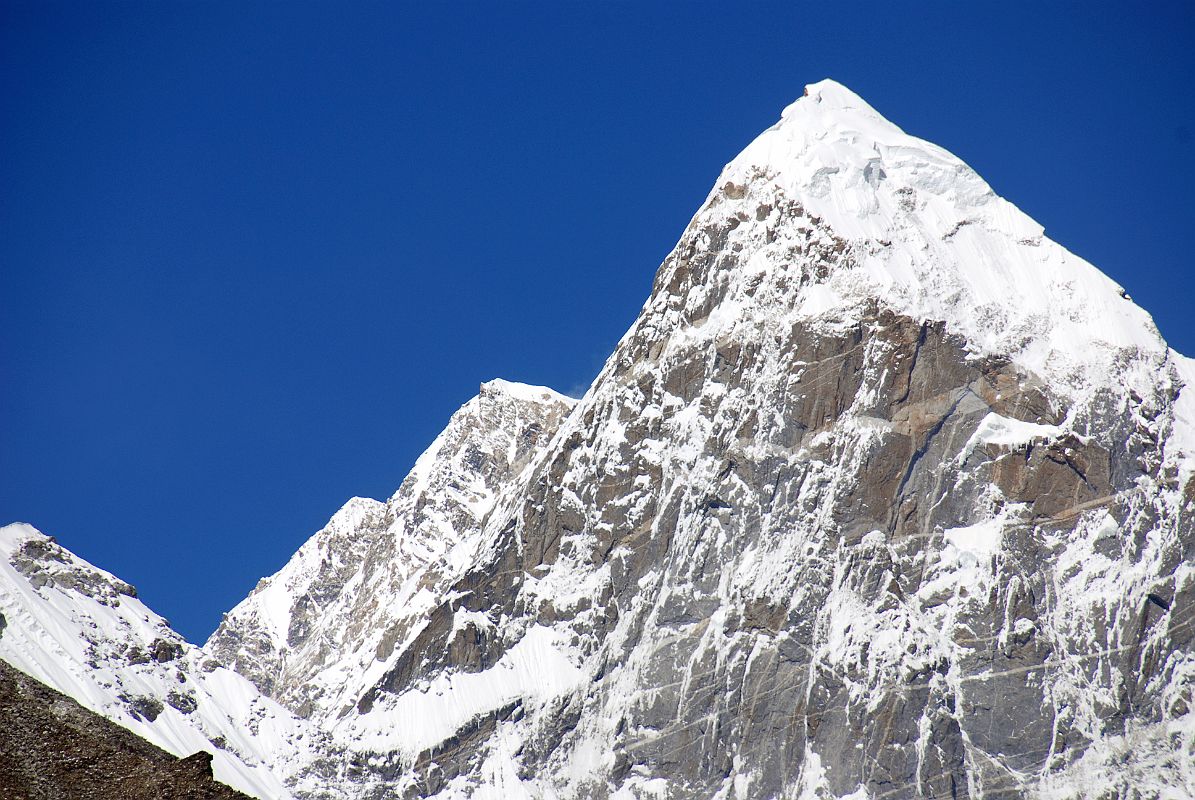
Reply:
x=251, y=259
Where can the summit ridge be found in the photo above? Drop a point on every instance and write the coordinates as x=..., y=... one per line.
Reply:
x=931, y=238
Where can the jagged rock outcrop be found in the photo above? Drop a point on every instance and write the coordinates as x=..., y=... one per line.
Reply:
x=52, y=749
x=366, y=582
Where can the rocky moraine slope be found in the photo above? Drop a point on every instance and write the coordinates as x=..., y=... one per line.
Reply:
x=883, y=495
x=52, y=748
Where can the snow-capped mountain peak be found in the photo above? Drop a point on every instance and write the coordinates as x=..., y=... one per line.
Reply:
x=883, y=494
x=919, y=230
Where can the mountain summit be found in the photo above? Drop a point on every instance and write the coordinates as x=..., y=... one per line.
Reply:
x=884, y=494
x=940, y=244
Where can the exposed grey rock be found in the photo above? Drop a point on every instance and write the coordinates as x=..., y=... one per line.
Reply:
x=185, y=703
x=143, y=706
x=362, y=585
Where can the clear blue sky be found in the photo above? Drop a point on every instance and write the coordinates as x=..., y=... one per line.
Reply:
x=252, y=259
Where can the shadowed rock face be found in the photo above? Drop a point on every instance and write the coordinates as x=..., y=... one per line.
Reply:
x=53, y=748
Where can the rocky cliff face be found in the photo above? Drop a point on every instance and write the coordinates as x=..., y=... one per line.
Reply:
x=885, y=494
x=363, y=584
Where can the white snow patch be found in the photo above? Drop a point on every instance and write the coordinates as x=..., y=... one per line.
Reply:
x=1008, y=432
x=975, y=542
x=533, y=670
x=527, y=392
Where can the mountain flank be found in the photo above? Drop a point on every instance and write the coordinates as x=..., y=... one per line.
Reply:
x=884, y=494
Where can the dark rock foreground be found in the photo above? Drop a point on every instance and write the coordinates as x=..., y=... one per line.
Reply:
x=51, y=748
